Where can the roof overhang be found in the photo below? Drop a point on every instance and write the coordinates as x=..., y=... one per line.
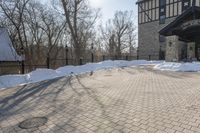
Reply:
x=187, y=25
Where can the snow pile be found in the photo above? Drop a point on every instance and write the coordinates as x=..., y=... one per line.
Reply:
x=182, y=67
x=45, y=74
x=41, y=74
x=12, y=80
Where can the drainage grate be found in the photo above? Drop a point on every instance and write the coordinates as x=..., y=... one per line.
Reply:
x=33, y=122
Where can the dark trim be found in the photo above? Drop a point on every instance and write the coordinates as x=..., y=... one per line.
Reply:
x=156, y=20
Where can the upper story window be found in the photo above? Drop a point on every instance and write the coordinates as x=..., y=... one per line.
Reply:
x=185, y=4
x=162, y=2
x=148, y=11
x=162, y=11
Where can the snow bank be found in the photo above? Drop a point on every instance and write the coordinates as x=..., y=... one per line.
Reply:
x=12, y=80
x=182, y=67
x=41, y=74
x=45, y=74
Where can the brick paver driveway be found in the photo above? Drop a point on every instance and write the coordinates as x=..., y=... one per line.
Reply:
x=118, y=100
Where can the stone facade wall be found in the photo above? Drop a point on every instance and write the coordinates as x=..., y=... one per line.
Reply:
x=173, y=49
x=148, y=39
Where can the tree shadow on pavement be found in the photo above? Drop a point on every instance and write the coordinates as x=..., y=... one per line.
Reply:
x=96, y=98
x=13, y=103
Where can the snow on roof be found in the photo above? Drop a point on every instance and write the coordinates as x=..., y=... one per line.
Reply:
x=7, y=51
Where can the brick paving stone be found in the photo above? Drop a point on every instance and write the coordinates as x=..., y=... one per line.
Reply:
x=129, y=100
x=195, y=129
x=186, y=126
x=187, y=131
x=169, y=130
x=177, y=128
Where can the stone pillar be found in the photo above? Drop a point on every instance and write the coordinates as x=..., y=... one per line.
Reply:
x=172, y=49
x=191, y=50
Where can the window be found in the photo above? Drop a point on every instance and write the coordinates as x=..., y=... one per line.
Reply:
x=153, y=4
x=150, y=15
x=171, y=1
x=153, y=14
x=197, y=2
x=167, y=11
x=147, y=5
x=162, y=11
x=185, y=4
x=162, y=2
x=171, y=10
x=157, y=3
x=150, y=4
x=175, y=9
x=139, y=6
x=162, y=19
x=157, y=13
x=179, y=8
x=149, y=10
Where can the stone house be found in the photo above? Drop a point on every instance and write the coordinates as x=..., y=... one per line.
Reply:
x=169, y=29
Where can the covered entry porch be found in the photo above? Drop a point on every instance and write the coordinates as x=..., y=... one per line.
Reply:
x=183, y=36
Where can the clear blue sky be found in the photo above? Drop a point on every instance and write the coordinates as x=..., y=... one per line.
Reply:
x=108, y=7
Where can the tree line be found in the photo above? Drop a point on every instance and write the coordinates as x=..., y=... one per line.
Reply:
x=40, y=31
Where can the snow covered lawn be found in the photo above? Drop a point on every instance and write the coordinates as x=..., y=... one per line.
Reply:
x=45, y=74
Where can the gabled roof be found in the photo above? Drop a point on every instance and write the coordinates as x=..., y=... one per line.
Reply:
x=170, y=27
x=7, y=51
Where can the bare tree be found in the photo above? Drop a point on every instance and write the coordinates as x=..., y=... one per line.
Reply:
x=53, y=26
x=80, y=19
x=14, y=11
x=107, y=37
x=36, y=28
x=119, y=32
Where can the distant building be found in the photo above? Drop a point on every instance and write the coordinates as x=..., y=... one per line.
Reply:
x=169, y=29
x=9, y=59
